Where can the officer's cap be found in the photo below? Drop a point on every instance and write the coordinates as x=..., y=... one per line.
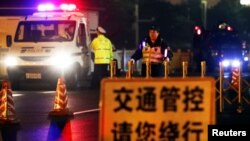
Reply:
x=101, y=30
x=154, y=27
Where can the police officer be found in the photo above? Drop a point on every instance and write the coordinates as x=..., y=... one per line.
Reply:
x=102, y=50
x=153, y=49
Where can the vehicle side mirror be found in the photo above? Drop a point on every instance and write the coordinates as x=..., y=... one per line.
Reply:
x=8, y=40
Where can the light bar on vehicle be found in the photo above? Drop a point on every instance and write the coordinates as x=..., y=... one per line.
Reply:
x=52, y=7
x=46, y=7
x=68, y=7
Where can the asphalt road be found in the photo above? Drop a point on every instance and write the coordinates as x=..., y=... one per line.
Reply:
x=33, y=105
x=34, y=124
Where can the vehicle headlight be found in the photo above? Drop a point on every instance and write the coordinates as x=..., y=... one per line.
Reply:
x=10, y=61
x=61, y=60
x=235, y=63
x=232, y=63
x=225, y=63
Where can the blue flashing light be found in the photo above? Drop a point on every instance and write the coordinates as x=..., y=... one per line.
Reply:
x=246, y=58
x=225, y=63
x=235, y=63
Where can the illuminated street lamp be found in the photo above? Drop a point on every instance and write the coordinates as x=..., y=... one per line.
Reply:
x=245, y=2
x=204, y=12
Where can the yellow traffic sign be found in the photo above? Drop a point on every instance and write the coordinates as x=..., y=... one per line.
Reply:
x=156, y=109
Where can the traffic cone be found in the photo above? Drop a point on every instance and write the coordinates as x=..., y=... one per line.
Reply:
x=61, y=100
x=235, y=77
x=7, y=107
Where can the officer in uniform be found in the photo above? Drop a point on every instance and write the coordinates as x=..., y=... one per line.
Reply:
x=102, y=49
x=153, y=49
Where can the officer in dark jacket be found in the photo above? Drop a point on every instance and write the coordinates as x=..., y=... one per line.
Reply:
x=153, y=49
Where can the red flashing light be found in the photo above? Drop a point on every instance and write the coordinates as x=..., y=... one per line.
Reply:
x=229, y=28
x=198, y=30
x=196, y=27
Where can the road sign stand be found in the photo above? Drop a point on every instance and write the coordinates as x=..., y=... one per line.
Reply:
x=122, y=98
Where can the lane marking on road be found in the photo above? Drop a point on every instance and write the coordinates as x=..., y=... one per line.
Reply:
x=86, y=111
x=15, y=95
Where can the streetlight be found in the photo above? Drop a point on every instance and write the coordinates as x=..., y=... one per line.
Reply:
x=204, y=12
x=244, y=2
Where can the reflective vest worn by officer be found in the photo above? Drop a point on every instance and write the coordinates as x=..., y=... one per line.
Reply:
x=102, y=48
x=152, y=54
x=155, y=53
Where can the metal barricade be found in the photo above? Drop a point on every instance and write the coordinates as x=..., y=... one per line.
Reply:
x=112, y=69
x=223, y=85
x=130, y=69
x=166, y=68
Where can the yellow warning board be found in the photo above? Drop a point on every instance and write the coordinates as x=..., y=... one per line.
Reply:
x=156, y=109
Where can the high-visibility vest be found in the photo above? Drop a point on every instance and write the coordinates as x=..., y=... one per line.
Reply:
x=102, y=48
x=152, y=54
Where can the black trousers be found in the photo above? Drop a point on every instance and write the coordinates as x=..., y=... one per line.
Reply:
x=100, y=72
x=157, y=70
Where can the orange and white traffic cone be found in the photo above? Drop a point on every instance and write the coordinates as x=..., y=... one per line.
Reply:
x=7, y=107
x=235, y=77
x=61, y=100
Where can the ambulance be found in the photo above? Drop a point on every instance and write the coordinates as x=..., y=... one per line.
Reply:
x=42, y=48
x=8, y=26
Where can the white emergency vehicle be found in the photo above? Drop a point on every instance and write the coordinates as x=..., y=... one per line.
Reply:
x=50, y=43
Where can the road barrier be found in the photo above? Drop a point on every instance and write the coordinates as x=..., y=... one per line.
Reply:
x=236, y=84
x=179, y=55
x=235, y=77
x=186, y=101
x=223, y=85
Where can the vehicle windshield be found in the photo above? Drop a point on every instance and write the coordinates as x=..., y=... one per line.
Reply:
x=45, y=31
